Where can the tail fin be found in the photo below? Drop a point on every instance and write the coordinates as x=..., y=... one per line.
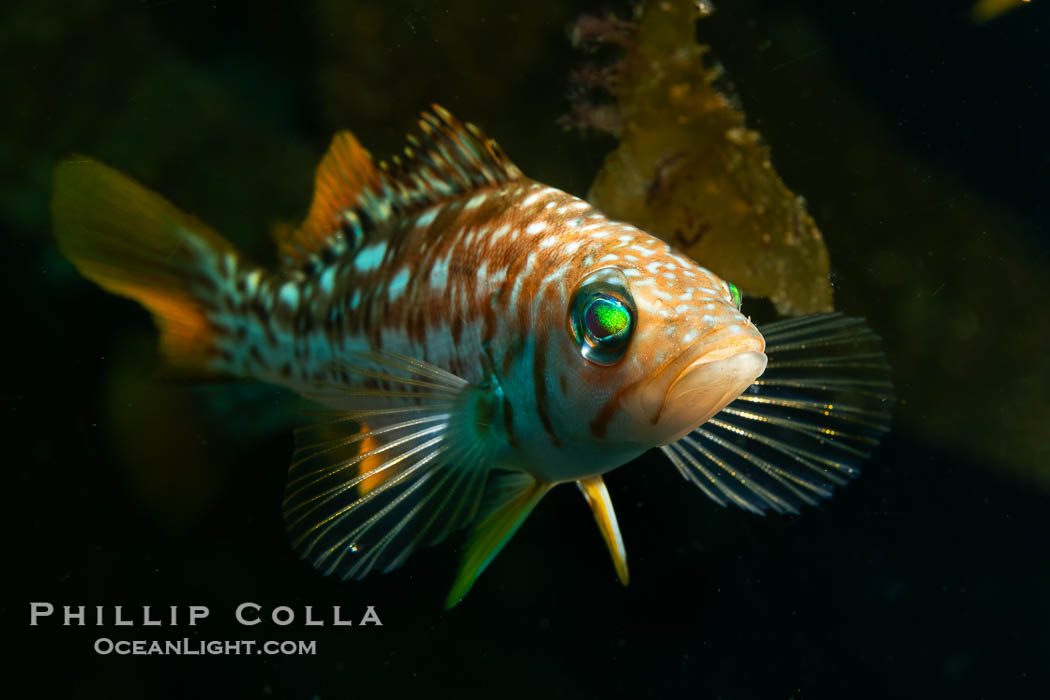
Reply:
x=135, y=243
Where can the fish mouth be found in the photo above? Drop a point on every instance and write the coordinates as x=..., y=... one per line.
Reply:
x=705, y=388
x=677, y=404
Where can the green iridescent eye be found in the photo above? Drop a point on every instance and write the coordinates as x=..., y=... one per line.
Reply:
x=601, y=317
x=607, y=320
x=734, y=292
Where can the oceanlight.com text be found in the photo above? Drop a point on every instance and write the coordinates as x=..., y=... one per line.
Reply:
x=197, y=647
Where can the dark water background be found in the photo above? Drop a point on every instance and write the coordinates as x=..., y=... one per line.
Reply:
x=919, y=139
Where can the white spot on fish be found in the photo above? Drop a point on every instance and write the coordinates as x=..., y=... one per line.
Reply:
x=398, y=284
x=370, y=257
x=572, y=247
x=251, y=282
x=289, y=294
x=735, y=329
x=328, y=280
x=426, y=218
x=500, y=233
x=535, y=227
x=530, y=262
x=498, y=276
x=475, y=201
x=549, y=279
x=690, y=336
x=531, y=199
x=708, y=320
x=439, y=273
x=631, y=272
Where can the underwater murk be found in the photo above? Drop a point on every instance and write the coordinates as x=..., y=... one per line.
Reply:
x=336, y=423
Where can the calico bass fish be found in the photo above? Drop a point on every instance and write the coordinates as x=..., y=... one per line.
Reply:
x=476, y=338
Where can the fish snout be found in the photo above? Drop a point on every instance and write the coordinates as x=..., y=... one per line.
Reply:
x=704, y=389
x=688, y=392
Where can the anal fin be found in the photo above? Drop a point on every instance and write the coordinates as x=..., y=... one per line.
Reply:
x=601, y=505
x=508, y=501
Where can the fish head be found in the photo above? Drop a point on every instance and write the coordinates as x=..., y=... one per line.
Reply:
x=658, y=345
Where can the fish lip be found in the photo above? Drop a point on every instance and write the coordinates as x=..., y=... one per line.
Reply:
x=688, y=371
x=715, y=355
x=704, y=388
x=659, y=403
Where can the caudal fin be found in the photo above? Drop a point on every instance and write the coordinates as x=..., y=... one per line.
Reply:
x=135, y=243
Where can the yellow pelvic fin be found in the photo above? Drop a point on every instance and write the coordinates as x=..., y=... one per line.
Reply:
x=135, y=243
x=601, y=505
x=508, y=501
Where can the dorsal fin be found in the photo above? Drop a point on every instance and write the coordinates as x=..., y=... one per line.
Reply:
x=345, y=174
x=352, y=195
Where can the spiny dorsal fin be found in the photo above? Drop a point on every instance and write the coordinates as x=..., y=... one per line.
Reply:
x=353, y=196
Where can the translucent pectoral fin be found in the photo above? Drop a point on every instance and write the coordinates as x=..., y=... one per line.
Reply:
x=597, y=496
x=803, y=427
x=369, y=485
x=508, y=501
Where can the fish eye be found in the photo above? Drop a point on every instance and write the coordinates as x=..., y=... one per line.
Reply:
x=602, y=317
x=736, y=294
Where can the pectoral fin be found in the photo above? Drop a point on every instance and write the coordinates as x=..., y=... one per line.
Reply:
x=401, y=468
x=601, y=505
x=803, y=427
x=508, y=501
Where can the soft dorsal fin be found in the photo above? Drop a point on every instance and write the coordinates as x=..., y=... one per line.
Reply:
x=352, y=195
x=345, y=174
